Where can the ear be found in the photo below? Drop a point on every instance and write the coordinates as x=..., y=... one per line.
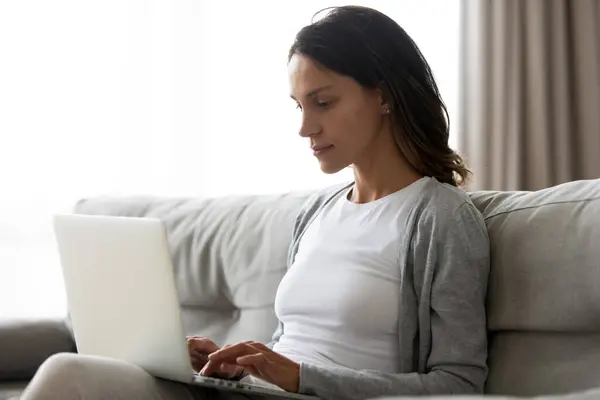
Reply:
x=384, y=98
x=386, y=109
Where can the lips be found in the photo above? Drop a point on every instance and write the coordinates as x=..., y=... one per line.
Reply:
x=317, y=150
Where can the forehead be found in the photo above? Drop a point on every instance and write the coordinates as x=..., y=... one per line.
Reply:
x=305, y=75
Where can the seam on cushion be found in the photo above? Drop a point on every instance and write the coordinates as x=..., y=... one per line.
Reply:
x=542, y=205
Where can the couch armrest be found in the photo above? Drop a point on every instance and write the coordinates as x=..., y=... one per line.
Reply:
x=25, y=344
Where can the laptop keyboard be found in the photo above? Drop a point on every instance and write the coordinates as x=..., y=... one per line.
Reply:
x=223, y=382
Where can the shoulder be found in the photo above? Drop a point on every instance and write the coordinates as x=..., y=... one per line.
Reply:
x=442, y=206
x=443, y=198
x=450, y=232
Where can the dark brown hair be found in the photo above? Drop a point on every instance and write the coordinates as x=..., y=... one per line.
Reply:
x=374, y=50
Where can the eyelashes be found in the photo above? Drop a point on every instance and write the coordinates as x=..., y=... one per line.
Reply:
x=318, y=105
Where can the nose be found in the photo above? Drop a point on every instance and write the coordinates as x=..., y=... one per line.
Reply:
x=310, y=126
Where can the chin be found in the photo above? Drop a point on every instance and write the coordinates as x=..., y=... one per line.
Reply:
x=330, y=168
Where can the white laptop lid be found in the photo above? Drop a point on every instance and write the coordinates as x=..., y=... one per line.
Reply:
x=121, y=292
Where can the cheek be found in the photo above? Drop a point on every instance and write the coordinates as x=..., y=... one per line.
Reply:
x=352, y=125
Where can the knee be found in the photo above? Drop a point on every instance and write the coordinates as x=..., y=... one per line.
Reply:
x=56, y=377
x=60, y=364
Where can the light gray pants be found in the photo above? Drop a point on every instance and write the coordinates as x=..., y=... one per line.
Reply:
x=69, y=376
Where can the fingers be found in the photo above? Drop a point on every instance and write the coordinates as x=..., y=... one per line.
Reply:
x=253, y=359
x=260, y=346
x=209, y=369
x=200, y=345
x=257, y=360
x=256, y=364
x=222, y=370
x=198, y=363
x=218, y=368
x=212, y=368
x=226, y=362
x=252, y=370
x=231, y=353
x=199, y=348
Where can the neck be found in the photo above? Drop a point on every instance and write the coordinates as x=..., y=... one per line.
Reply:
x=383, y=172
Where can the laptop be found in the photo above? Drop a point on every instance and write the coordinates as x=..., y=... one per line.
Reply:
x=123, y=301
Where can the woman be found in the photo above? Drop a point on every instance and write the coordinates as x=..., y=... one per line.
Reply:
x=387, y=281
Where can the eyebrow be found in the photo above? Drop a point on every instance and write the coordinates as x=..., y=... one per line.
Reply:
x=316, y=91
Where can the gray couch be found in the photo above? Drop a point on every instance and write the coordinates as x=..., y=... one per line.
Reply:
x=230, y=253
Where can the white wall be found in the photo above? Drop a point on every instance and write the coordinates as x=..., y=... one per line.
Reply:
x=160, y=97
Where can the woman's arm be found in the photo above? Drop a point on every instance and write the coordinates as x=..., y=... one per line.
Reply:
x=453, y=252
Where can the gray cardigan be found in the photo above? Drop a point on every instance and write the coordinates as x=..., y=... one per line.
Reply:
x=442, y=337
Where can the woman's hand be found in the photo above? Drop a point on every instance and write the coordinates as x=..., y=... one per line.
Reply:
x=260, y=361
x=199, y=348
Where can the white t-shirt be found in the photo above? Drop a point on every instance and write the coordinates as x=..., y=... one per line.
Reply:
x=339, y=301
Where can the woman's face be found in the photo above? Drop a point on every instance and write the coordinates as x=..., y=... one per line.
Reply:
x=342, y=119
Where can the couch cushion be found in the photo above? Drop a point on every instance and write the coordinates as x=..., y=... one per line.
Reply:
x=545, y=254
x=229, y=255
x=25, y=344
x=590, y=394
x=544, y=290
x=538, y=363
x=11, y=390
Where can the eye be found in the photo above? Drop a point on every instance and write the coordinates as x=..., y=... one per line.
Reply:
x=323, y=104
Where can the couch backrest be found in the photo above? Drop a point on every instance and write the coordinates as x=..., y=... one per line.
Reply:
x=544, y=292
x=229, y=255
x=543, y=304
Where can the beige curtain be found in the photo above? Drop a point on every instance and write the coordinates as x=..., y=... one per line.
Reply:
x=530, y=92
